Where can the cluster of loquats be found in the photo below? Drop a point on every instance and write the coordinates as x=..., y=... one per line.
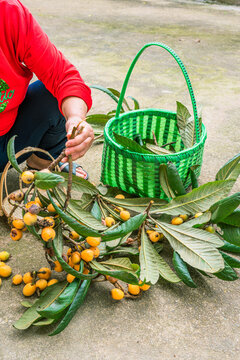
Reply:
x=86, y=251
x=5, y=269
x=133, y=291
x=34, y=281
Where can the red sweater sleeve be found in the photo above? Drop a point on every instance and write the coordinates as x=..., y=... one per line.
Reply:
x=34, y=49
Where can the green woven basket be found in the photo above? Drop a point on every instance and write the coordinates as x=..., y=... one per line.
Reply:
x=138, y=173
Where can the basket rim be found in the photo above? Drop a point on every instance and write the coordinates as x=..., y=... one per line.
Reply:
x=151, y=157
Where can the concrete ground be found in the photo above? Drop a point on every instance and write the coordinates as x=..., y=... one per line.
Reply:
x=101, y=38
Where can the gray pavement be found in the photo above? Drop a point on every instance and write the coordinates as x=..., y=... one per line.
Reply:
x=101, y=38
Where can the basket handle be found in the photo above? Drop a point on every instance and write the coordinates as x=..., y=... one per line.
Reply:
x=184, y=71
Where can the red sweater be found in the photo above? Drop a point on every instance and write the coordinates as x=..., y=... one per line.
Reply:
x=25, y=49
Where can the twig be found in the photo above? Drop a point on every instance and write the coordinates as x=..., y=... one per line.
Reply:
x=57, y=160
x=98, y=137
x=170, y=143
x=149, y=207
x=154, y=138
x=69, y=187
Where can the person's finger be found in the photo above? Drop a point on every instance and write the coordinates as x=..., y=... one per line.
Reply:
x=87, y=132
x=77, y=140
x=75, y=150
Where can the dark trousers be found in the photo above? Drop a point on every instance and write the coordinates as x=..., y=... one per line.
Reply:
x=39, y=123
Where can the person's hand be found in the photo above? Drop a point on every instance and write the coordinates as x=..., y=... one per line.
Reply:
x=78, y=146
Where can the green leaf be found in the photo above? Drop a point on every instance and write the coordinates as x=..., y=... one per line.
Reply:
x=199, y=221
x=75, y=210
x=174, y=180
x=182, y=271
x=106, y=91
x=68, y=268
x=114, y=243
x=135, y=204
x=44, y=322
x=44, y=180
x=195, y=246
x=79, y=184
x=230, y=247
x=96, y=211
x=227, y=274
x=152, y=264
x=59, y=239
x=26, y=304
x=11, y=154
x=74, y=224
x=120, y=268
x=233, y=219
x=98, y=119
x=123, y=250
x=47, y=297
x=198, y=200
x=227, y=169
x=182, y=116
x=230, y=233
x=186, y=125
x=117, y=94
x=127, y=227
x=164, y=182
x=224, y=207
x=233, y=262
x=158, y=150
x=136, y=103
x=194, y=179
x=130, y=144
x=62, y=302
x=77, y=302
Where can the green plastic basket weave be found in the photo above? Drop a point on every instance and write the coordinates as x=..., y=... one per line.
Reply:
x=138, y=173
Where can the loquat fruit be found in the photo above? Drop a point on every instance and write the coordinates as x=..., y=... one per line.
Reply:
x=52, y=282
x=87, y=255
x=76, y=258
x=41, y=284
x=133, y=289
x=49, y=221
x=44, y=273
x=198, y=214
x=95, y=250
x=125, y=215
x=184, y=217
x=17, y=279
x=109, y=221
x=74, y=235
x=117, y=294
x=4, y=255
x=48, y=233
x=70, y=278
x=29, y=289
x=120, y=196
x=15, y=234
x=58, y=266
x=27, y=278
x=154, y=236
x=210, y=229
x=27, y=177
x=38, y=201
x=144, y=287
x=177, y=221
x=5, y=271
x=18, y=224
x=19, y=195
x=30, y=219
x=93, y=241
